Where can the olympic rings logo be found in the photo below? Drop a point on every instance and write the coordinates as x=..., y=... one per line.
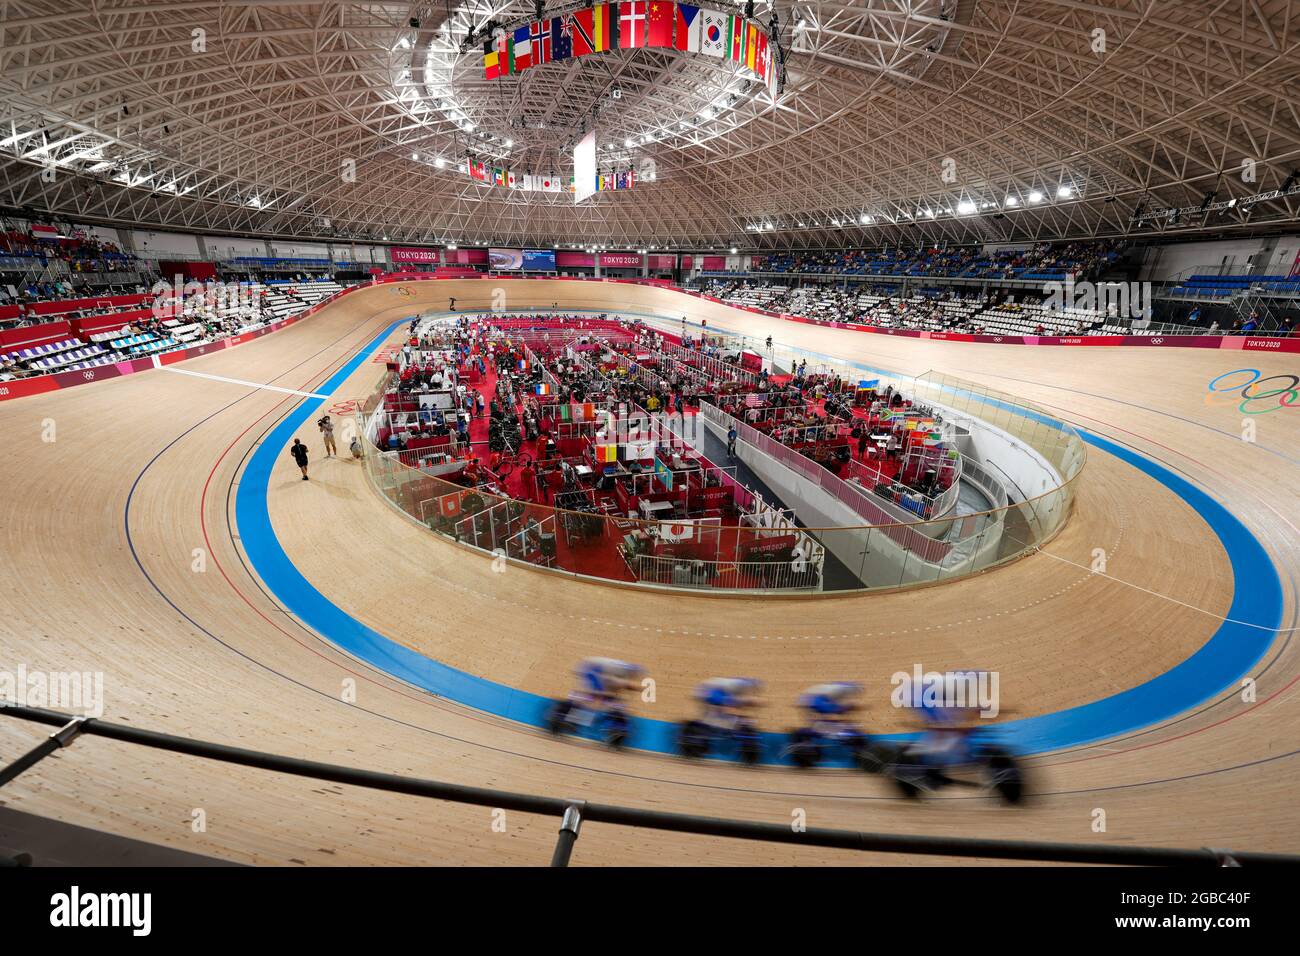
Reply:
x=404, y=292
x=1288, y=396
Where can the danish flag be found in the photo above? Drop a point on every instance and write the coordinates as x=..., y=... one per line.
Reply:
x=631, y=24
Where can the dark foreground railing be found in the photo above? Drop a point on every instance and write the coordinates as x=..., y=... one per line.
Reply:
x=573, y=813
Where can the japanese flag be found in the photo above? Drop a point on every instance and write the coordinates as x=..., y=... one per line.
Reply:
x=677, y=530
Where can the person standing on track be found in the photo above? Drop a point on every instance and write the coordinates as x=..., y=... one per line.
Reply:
x=299, y=452
x=327, y=432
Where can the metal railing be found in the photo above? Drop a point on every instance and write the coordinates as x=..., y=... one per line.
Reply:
x=730, y=575
x=574, y=812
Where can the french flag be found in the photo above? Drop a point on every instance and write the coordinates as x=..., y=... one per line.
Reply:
x=523, y=365
x=541, y=388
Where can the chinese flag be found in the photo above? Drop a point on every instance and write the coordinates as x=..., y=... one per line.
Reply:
x=660, y=29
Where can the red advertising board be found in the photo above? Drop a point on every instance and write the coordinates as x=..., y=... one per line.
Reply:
x=413, y=254
x=620, y=260
x=45, y=383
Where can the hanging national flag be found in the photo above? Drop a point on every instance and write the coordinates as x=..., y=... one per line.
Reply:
x=751, y=44
x=522, y=45
x=498, y=176
x=664, y=474
x=736, y=32
x=550, y=184
x=761, y=61
x=713, y=32
x=505, y=46
x=583, y=28
x=631, y=24
x=511, y=181
x=659, y=23
x=539, y=35
x=541, y=388
x=604, y=27
x=561, y=39
x=491, y=61
x=677, y=530
x=689, y=28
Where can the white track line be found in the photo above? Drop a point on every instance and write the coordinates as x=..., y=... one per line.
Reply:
x=238, y=381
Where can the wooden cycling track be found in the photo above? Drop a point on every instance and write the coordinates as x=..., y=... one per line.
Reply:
x=99, y=530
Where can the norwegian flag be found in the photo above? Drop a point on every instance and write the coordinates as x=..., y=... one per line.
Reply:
x=540, y=35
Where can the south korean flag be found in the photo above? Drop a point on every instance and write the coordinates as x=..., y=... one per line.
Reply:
x=713, y=31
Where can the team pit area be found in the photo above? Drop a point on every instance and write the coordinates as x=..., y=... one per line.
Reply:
x=621, y=449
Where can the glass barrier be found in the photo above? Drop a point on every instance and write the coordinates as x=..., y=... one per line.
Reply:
x=580, y=530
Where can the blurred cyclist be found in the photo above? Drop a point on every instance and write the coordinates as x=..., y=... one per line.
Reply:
x=602, y=680
x=950, y=729
x=723, y=699
x=830, y=705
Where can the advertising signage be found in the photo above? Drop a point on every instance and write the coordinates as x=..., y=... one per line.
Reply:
x=412, y=254
x=620, y=260
x=539, y=260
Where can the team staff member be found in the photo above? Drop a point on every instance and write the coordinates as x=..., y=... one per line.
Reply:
x=299, y=452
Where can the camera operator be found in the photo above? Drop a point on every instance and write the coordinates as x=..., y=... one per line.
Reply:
x=327, y=431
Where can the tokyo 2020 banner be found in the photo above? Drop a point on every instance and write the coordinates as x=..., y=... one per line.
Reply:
x=410, y=254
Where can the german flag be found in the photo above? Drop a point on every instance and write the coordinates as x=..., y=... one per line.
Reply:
x=604, y=29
